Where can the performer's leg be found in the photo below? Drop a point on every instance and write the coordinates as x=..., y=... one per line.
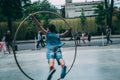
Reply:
x=8, y=47
x=37, y=44
x=64, y=68
x=51, y=67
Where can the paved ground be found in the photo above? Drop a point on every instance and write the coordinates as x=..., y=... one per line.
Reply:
x=92, y=63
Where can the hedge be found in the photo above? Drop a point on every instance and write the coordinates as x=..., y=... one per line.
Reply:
x=28, y=30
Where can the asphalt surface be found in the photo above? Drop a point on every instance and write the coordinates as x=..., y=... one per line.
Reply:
x=92, y=63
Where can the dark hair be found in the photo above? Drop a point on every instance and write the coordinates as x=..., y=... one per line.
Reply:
x=52, y=28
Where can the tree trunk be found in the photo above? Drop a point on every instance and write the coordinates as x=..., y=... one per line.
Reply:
x=111, y=13
x=107, y=14
x=109, y=10
x=9, y=23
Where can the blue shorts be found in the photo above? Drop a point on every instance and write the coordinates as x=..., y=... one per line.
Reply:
x=54, y=53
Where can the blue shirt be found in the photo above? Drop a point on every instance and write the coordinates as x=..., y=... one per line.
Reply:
x=53, y=40
x=39, y=37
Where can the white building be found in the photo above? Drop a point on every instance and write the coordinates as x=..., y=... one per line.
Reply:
x=74, y=9
x=117, y=3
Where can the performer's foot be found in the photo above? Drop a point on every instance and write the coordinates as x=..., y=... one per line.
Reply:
x=63, y=73
x=51, y=73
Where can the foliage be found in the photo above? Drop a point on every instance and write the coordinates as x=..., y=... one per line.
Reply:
x=46, y=20
x=118, y=16
x=19, y=9
x=28, y=30
x=12, y=10
x=2, y=17
x=100, y=18
x=83, y=19
x=25, y=3
x=100, y=11
x=63, y=12
x=43, y=5
x=109, y=13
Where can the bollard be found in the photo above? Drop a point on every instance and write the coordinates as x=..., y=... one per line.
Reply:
x=102, y=40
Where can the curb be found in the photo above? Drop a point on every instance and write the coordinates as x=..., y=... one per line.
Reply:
x=69, y=39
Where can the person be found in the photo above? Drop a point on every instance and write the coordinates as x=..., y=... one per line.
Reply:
x=53, y=45
x=108, y=34
x=78, y=38
x=3, y=44
x=40, y=40
x=89, y=38
x=3, y=47
x=83, y=37
x=71, y=36
x=8, y=40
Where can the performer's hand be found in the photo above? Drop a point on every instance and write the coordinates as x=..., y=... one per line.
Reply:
x=70, y=28
x=31, y=15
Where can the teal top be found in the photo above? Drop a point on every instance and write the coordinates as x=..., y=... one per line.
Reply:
x=53, y=40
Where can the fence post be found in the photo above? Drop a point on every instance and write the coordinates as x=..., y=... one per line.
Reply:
x=35, y=42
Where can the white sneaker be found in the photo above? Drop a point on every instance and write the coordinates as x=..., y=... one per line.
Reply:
x=51, y=73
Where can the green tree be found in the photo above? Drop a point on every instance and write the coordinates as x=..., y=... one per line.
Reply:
x=2, y=17
x=100, y=18
x=40, y=5
x=25, y=2
x=46, y=20
x=83, y=19
x=63, y=12
x=25, y=5
x=43, y=5
x=118, y=16
x=12, y=10
x=109, y=12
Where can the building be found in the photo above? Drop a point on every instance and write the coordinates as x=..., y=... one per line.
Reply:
x=73, y=10
x=117, y=3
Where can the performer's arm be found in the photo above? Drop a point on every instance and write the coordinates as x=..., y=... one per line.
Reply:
x=66, y=32
x=39, y=25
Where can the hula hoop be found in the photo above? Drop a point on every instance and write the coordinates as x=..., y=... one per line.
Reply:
x=14, y=40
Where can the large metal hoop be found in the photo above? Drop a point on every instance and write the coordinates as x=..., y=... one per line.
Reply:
x=14, y=41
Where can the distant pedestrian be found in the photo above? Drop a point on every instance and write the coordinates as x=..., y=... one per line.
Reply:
x=89, y=39
x=8, y=41
x=40, y=40
x=83, y=37
x=3, y=47
x=108, y=34
x=71, y=36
